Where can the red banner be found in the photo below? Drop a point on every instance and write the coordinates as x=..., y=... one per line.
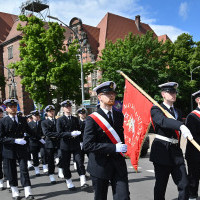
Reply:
x=136, y=110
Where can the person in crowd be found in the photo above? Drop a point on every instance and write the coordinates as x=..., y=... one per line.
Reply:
x=52, y=142
x=166, y=154
x=70, y=144
x=13, y=129
x=36, y=142
x=106, y=163
x=192, y=154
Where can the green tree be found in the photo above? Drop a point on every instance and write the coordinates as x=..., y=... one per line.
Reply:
x=142, y=58
x=185, y=57
x=47, y=70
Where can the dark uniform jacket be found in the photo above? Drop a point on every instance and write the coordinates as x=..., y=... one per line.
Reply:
x=163, y=152
x=52, y=136
x=9, y=132
x=193, y=123
x=66, y=126
x=36, y=134
x=103, y=159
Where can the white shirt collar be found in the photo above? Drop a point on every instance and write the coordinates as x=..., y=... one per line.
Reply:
x=50, y=118
x=168, y=106
x=106, y=111
x=16, y=118
x=67, y=115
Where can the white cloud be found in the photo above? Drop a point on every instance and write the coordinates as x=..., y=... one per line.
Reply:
x=92, y=11
x=183, y=10
x=171, y=31
x=10, y=6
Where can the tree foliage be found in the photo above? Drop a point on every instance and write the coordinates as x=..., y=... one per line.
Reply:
x=149, y=63
x=48, y=72
x=142, y=58
x=185, y=56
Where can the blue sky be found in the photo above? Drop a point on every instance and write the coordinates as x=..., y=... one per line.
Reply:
x=171, y=17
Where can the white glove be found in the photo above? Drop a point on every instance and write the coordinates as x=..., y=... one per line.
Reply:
x=20, y=141
x=75, y=133
x=186, y=132
x=121, y=147
x=42, y=141
x=81, y=145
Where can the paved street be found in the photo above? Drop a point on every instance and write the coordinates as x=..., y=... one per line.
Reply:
x=141, y=185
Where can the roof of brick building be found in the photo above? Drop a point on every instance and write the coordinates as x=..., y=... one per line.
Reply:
x=6, y=21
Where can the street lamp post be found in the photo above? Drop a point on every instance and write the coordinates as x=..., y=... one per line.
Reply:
x=81, y=57
x=191, y=80
x=13, y=81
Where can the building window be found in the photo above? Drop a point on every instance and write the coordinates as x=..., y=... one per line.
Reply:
x=11, y=73
x=10, y=52
x=94, y=78
x=93, y=100
x=12, y=90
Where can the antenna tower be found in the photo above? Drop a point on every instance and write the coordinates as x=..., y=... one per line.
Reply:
x=39, y=8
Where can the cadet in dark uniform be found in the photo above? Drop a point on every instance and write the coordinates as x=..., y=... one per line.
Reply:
x=192, y=155
x=71, y=145
x=82, y=117
x=1, y=158
x=52, y=140
x=106, y=164
x=166, y=153
x=36, y=141
x=19, y=113
x=12, y=132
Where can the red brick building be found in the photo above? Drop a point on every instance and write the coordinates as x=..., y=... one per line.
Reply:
x=93, y=40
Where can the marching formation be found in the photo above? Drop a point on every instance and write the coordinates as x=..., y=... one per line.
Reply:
x=100, y=136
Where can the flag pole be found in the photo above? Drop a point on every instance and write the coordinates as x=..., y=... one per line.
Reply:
x=155, y=103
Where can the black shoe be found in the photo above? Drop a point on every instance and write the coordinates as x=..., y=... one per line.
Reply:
x=30, y=168
x=84, y=187
x=53, y=182
x=30, y=197
x=72, y=188
x=2, y=188
x=16, y=198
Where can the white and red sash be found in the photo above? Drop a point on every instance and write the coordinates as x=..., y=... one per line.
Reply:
x=107, y=128
x=196, y=112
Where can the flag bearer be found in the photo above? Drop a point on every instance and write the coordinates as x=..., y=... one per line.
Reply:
x=192, y=155
x=166, y=154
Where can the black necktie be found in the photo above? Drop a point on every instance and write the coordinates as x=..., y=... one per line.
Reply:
x=15, y=122
x=110, y=118
x=172, y=111
x=69, y=119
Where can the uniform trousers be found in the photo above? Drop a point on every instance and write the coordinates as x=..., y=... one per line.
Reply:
x=66, y=158
x=12, y=172
x=3, y=168
x=34, y=151
x=179, y=176
x=43, y=154
x=1, y=164
x=119, y=185
x=50, y=160
x=194, y=176
x=29, y=153
x=58, y=154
